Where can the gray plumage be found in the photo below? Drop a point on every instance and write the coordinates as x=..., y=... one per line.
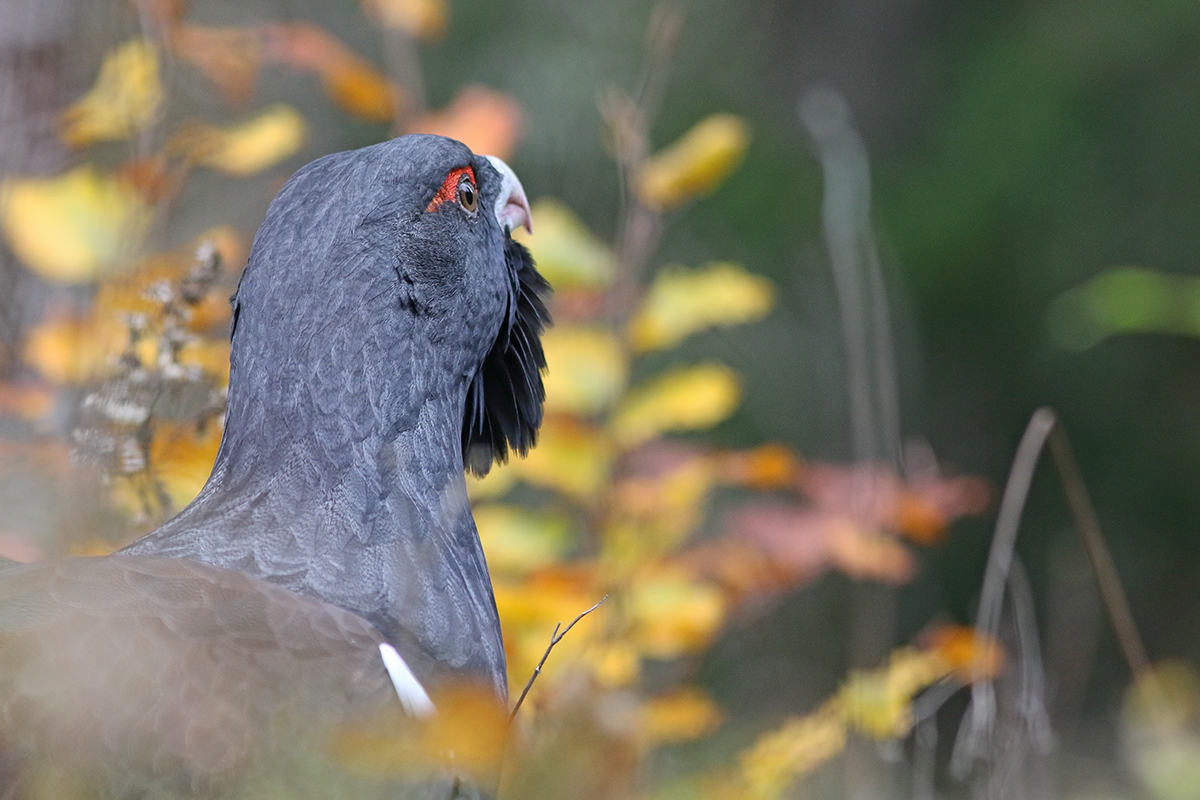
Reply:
x=379, y=344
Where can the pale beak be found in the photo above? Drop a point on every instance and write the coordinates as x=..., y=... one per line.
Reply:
x=512, y=207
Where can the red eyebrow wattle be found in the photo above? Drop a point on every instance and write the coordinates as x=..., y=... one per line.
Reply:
x=449, y=189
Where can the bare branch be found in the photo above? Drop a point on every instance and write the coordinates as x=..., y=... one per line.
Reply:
x=1043, y=428
x=555, y=638
x=1111, y=591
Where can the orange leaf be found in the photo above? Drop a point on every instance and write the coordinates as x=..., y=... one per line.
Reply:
x=530, y=608
x=869, y=553
x=877, y=497
x=803, y=542
x=485, y=120
x=361, y=90
x=466, y=735
x=769, y=467
x=468, y=731
x=968, y=655
x=180, y=460
x=229, y=57
x=932, y=502
x=743, y=571
x=348, y=79
x=69, y=350
x=423, y=19
x=31, y=402
x=154, y=177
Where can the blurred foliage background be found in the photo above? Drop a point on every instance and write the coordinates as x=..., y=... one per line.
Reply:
x=1036, y=211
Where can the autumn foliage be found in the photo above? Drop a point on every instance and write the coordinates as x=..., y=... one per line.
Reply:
x=625, y=497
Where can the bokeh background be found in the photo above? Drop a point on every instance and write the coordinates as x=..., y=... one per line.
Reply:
x=1035, y=213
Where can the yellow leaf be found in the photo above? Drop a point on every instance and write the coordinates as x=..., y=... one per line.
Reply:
x=467, y=735
x=587, y=369
x=694, y=165
x=1167, y=697
x=384, y=745
x=673, y=613
x=211, y=357
x=125, y=98
x=570, y=458
x=653, y=514
x=565, y=250
x=255, y=145
x=424, y=19
x=678, y=716
x=687, y=398
x=495, y=484
x=614, y=663
x=878, y=702
x=1160, y=730
x=516, y=540
x=795, y=748
x=682, y=302
x=182, y=457
x=530, y=608
x=179, y=462
x=73, y=227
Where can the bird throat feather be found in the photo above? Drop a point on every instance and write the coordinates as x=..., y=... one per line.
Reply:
x=504, y=400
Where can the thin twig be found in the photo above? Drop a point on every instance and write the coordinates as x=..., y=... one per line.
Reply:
x=974, y=735
x=1043, y=428
x=555, y=638
x=1111, y=591
x=1008, y=519
x=628, y=120
x=662, y=41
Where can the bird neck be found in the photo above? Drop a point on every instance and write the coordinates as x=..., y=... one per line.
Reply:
x=373, y=518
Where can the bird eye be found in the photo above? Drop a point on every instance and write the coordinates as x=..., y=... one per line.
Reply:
x=468, y=198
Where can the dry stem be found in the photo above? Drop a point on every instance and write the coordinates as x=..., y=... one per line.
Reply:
x=555, y=638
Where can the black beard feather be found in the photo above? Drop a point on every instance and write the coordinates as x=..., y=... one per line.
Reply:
x=505, y=398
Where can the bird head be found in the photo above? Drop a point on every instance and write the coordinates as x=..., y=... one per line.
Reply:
x=384, y=278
